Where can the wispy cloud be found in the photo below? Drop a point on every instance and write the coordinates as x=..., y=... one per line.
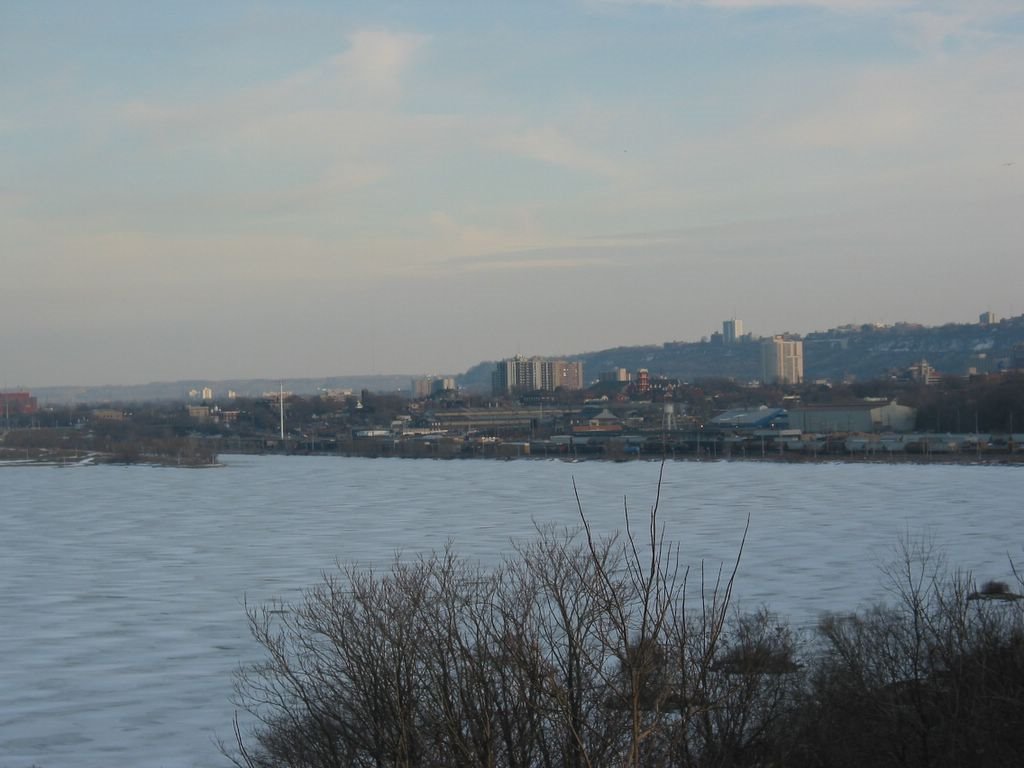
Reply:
x=458, y=239
x=933, y=20
x=836, y=5
x=874, y=113
x=548, y=258
x=368, y=74
x=320, y=132
x=550, y=145
x=377, y=60
x=949, y=110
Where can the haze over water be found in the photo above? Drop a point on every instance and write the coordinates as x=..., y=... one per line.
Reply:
x=121, y=612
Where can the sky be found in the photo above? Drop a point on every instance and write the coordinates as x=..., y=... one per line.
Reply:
x=319, y=187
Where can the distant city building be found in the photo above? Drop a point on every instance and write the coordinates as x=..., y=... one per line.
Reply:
x=782, y=360
x=108, y=414
x=567, y=375
x=207, y=393
x=200, y=413
x=431, y=385
x=518, y=373
x=732, y=331
x=521, y=374
x=643, y=381
x=1017, y=357
x=17, y=404
x=419, y=388
x=616, y=375
x=987, y=318
x=861, y=416
x=228, y=417
x=923, y=373
x=463, y=420
x=338, y=394
x=232, y=395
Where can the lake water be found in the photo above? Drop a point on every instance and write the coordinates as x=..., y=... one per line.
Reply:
x=121, y=607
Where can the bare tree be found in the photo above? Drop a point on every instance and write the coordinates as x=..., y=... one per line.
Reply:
x=578, y=650
x=936, y=678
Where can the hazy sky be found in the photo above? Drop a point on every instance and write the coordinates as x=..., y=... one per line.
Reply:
x=309, y=188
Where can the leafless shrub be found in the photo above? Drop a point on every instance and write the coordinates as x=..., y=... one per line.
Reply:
x=587, y=650
x=579, y=650
x=932, y=679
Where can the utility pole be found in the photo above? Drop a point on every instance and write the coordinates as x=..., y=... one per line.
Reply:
x=977, y=440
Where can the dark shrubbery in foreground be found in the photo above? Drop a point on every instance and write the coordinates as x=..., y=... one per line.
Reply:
x=581, y=651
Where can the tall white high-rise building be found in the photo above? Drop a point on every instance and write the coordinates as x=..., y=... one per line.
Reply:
x=782, y=360
x=522, y=374
x=732, y=330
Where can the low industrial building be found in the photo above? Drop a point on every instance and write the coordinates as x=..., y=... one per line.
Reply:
x=860, y=416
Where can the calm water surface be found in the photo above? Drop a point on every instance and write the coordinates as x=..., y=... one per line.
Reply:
x=121, y=607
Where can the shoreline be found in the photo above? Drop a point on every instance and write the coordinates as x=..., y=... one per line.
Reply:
x=94, y=459
x=46, y=459
x=939, y=459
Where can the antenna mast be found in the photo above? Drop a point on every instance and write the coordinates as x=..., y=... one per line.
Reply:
x=280, y=404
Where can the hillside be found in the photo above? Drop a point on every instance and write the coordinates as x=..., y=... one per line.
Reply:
x=859, y=352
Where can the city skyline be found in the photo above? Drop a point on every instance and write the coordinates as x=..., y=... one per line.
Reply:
x=247, y=190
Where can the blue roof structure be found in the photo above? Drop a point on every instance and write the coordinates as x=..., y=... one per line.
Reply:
x=758, y=418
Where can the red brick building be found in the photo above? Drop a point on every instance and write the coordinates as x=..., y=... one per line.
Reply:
x=17, y=404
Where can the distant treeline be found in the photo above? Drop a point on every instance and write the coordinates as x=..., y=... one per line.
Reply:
x=60, y=445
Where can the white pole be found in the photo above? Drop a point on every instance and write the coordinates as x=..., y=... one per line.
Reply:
x=280, y=403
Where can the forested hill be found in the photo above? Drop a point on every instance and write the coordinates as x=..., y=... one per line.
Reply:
x=864, y=352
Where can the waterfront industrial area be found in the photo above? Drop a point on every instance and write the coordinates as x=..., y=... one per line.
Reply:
x=557, y=408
